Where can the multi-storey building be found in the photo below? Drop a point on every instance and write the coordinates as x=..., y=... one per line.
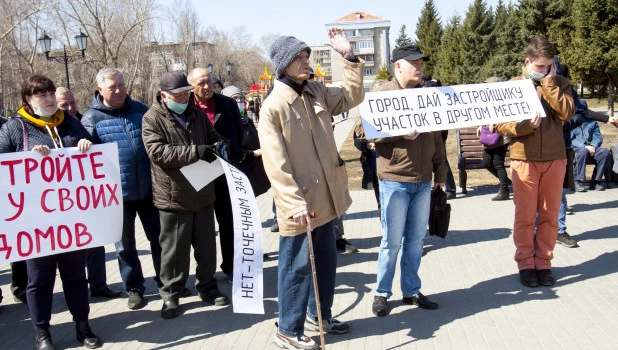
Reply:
x=369, y=36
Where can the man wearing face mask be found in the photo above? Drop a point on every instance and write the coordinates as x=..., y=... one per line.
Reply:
x=224, y=113
x=176, y=133
x=538, y=163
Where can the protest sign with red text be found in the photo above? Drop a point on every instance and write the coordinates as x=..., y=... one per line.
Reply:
x=63, y=202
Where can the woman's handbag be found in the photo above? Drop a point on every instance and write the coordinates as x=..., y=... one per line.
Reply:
x=489, y=138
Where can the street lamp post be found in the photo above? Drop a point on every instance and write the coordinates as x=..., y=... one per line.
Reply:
x=209, y=68
x=228, y=67
x=82, y=43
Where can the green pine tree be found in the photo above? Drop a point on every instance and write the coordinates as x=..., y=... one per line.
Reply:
x=429, y=33
x=449, y=56
x=507, y=50
x=593, y=57
x=403, y=39
x=383, y=74
x=475, y=44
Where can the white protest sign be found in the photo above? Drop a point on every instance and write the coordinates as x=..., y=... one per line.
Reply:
x=63, y=202
x=201, y=173
x=248, y=287
x=399, y=112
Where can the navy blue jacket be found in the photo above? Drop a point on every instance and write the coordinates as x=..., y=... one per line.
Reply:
x=12, y=134
x=123, y=126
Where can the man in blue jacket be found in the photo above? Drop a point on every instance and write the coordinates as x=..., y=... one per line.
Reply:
x=586, y=141
x=114, y=117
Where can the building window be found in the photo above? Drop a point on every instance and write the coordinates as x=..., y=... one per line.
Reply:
x=366, y=58
x=365, y=44
x=368, y=71
x=350, y=32
x=365, y=32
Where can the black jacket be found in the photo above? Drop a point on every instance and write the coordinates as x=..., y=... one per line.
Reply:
x=228, y=124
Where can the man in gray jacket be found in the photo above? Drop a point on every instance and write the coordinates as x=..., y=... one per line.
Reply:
x=176, y=134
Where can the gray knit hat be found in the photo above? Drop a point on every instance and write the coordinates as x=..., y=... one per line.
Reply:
x=231, y=91
x=284, y=50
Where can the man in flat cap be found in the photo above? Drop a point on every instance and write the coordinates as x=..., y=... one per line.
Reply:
x=405, y=167
x=176, y=134
x=309, y=181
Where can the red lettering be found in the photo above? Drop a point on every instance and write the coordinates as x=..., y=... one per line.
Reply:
x=79, y=157
x=11, y=164
x=98, y=196
x=81, y=230
x=43, y=204
x=59, y=236
x=80, y=204
x=47, y=164
x=20, y=236
x=49, y=234
x=31, y=165
x=94, y=165
x=61, y=170
x=19, y=205
x=63, y=196
x=4, y=247
x=112, y=194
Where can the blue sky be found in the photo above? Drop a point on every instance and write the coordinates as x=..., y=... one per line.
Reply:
x=306, y=19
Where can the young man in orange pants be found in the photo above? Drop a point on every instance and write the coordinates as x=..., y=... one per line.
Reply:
x=539, y=163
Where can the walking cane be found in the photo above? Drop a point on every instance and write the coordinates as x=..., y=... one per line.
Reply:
x=315, y=285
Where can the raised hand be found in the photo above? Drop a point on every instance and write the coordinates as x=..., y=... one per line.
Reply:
x=338, y=40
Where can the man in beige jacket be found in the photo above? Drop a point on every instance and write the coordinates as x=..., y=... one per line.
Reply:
x=309, y=180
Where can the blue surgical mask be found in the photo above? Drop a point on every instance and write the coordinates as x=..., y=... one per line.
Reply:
x=176, y=107
x=241, y=107
x=536, y=75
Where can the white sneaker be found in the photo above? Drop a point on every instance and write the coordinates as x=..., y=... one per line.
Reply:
x=330, y=325
x=299, y=342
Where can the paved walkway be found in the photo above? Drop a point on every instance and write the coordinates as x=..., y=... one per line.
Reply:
x=471, y=274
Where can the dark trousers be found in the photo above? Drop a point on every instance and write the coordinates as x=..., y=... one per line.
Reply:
x=128, y=259
x=19, y=278
x=179, y=231
x=601, y=158
x=493, y=160
x=223, y=212
x=450, y=180
x=95, y=265
x=41, y=279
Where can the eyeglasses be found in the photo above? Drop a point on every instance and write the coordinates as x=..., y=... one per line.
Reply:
x=45, y=95
x=180, y=94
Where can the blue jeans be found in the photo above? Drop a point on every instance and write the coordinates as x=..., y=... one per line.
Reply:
x=128, y=259
x=562, y=213
x=295, y=283
x=405, y=232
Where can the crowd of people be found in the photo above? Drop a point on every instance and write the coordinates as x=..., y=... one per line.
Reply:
x=191, y=120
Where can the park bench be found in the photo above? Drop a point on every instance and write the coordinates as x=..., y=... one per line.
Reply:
x=470, y=155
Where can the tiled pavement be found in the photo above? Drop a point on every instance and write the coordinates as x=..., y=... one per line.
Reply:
x=471, y=274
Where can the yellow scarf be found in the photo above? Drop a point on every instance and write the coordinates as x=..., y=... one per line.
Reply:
x=56, y=119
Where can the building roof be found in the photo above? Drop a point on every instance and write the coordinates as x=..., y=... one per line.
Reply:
x=357, y=16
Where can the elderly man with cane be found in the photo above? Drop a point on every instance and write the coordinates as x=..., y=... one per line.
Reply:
x=309, y=182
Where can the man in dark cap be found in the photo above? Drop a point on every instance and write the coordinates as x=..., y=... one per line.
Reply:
x=405, y=167
x=309, y=181
x=176, y=134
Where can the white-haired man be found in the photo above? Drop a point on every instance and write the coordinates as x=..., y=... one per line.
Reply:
x=114, y=117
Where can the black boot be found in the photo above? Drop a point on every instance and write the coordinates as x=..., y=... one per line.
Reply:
x=503, y=194
x=44, y=341
x=85, y=335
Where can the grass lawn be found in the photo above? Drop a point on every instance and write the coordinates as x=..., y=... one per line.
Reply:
x=478, y=177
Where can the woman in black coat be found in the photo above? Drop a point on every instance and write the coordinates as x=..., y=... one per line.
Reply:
x=40, y=126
